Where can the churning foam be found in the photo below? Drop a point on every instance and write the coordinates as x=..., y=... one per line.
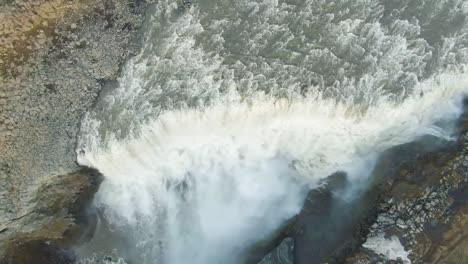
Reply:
x=199, y=185
x=298, y=130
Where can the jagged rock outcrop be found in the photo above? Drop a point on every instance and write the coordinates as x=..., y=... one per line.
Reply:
x=55, y=219
x=54, y=57
x=424, y=205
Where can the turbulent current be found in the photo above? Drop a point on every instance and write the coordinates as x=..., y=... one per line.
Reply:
x=233, y=110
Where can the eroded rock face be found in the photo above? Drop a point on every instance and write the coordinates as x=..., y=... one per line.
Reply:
x=54, y=58
x=55, y=221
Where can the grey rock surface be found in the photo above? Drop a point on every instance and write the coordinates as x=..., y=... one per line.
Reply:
x=55, y=56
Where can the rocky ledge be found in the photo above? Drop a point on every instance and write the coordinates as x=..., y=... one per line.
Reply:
x=425, y=207
x=54, y=222
x=55, y=55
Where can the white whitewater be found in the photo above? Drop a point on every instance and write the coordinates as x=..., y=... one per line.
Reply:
x=390, y=248
x=212, y=139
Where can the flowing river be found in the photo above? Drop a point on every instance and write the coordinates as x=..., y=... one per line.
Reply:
x=234, y=110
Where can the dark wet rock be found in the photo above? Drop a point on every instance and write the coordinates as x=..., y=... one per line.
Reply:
x=328, y=227
x=272, y=249
x=39, y=252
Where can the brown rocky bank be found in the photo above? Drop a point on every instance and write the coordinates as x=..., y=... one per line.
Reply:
x=423, y=202
x=54, y=57
x=418, y=193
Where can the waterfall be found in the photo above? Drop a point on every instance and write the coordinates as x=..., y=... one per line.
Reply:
x=233, y=110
